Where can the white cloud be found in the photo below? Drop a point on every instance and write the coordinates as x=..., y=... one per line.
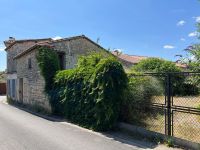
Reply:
x=183, y=39
x=2, y=47
x=168, y=47
x=57, y=38
x=193, y=34
x=181, y=23
x=197, y=19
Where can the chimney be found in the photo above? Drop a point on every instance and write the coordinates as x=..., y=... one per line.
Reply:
x=9, y=41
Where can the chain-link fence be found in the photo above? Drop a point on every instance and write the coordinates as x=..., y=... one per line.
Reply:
x=167, y=103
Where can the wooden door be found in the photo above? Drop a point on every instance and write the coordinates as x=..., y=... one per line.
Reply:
x=21, y=89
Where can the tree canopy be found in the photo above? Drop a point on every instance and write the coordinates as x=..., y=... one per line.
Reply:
x=155, y=65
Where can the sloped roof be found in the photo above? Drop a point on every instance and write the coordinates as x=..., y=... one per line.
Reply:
x=134, y=59
x=48, y=43
x=25, y=40
x=32, y=48
x=76, y=37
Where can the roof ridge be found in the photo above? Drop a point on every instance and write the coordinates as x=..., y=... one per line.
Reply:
x=25, y=40
x=137, y=55
x=76, y=37
x=38, y=39
x=68, y=38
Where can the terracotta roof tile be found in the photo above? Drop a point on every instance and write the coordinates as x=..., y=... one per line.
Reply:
x=26, y=40
x=134, y=59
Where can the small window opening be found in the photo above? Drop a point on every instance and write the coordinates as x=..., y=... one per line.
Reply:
x=29, y=63
x=61, y=57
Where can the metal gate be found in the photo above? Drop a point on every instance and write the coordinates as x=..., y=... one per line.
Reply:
x=179, y=106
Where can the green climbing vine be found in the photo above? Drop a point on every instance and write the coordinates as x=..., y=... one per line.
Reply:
x=90, y=94
x=48, y=63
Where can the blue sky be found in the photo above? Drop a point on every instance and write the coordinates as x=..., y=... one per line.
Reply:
x=160, y=28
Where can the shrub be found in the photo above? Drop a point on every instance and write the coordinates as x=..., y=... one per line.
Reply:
x=156, y=65
x=170, y=142
x=139, y=96
x=180, y=86
x=91, y=94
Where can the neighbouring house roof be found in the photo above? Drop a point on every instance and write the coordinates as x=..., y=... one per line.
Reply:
x=134, y=59
x=9, y=44
x=48, y=43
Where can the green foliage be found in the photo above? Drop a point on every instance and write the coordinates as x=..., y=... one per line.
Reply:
x=49, y=64
x=10, y=100
x=163, y=66
x=198, y=29
x=139, y=96
x=192, y=59
x=90, y=95
x=2, y=77
x=155, y=65
x=170, y=142
x=198, y=107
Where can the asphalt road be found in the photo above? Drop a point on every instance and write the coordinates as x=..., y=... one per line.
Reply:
x=20, y=130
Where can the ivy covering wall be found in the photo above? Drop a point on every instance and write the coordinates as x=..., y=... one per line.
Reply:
x=90, y=94
x=48, y=63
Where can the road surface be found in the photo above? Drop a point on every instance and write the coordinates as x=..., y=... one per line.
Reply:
x=20, y=130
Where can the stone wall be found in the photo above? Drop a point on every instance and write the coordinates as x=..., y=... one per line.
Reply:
x=15, y=50
x=33, y=82
x=75, y=48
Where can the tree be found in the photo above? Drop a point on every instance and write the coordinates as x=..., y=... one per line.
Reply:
x=193, y=57
x=163, y=66
x=156, y=65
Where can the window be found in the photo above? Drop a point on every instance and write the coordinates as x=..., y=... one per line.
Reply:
x=29, y=63
x=61, y=57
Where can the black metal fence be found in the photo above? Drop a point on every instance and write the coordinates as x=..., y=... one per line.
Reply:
x=174, y=107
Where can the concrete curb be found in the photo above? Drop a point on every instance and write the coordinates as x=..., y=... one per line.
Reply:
x=131, y=129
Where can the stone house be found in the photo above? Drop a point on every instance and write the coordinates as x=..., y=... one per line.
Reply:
x=24, y=81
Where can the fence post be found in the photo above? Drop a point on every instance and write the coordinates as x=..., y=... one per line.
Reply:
x=169, y=94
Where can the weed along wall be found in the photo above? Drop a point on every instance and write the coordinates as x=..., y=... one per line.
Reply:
x=89, y=95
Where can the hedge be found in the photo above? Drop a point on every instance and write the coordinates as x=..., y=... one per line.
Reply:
x=91, y=94
x=136, y=106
